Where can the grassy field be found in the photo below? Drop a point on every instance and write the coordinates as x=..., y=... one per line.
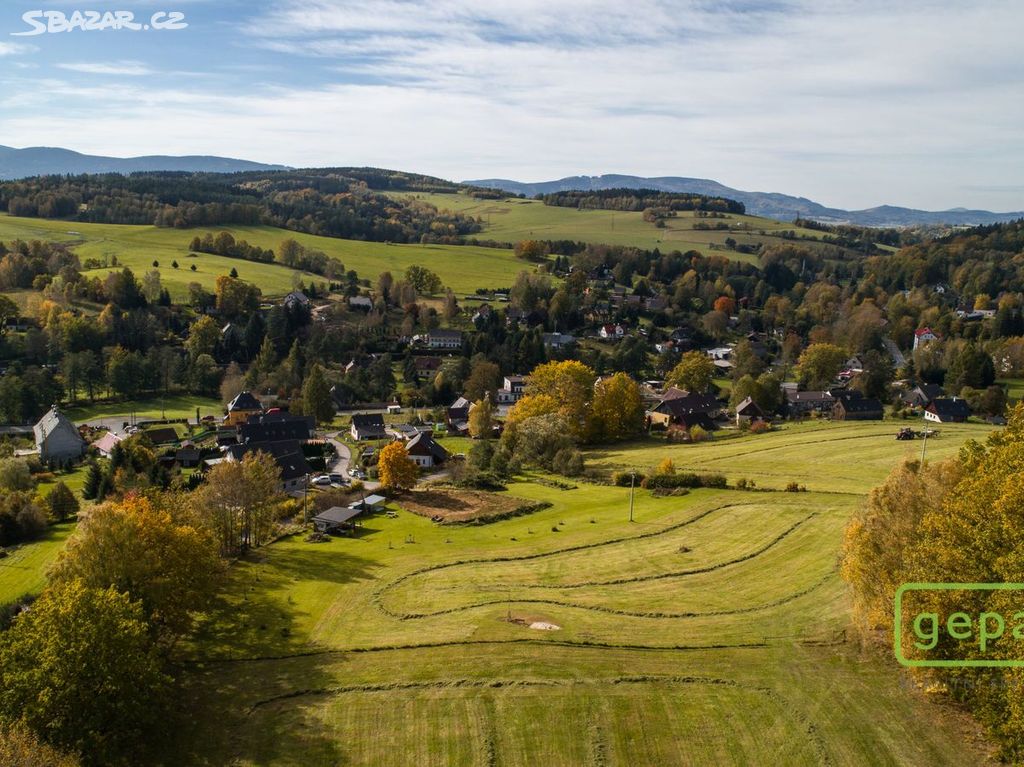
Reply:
x=173, y=406
x=464, y=269
x=709, y=630
x=23, y=571
x=512, y=219
x=821, y=455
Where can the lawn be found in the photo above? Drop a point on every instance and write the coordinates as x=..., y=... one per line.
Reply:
x=1014, y=388
x=23, y=571
x=462, y=268
x=512, y=219
x=711, y=629
x=821, y=455
x=172, y=406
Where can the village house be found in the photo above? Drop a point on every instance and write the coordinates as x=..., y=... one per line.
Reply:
x=273, y=427
x=241, y=407
x=57, y=439
x=296, y=299
x=287, y=454
x=558, y=340
x=947, y=410
x=748, y=411
x=361, y=303
x=804, y=402
x=105, y=444
x=512, y=390
x=923, y=336
x=440, y=338
x=425, y=451
x=921, y=395
x=853, y=406
x=681, y=408
x=370, y=426
x=457, y=416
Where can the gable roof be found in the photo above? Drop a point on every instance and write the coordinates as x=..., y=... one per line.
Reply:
x=424, y=444
x=337, y=515
x=860, y=404
x=106, y=443
x=749, y=407
x=808, y=396
x=287, y=454
x=925, y=332
x=244, y=401
x=949, y=407
x=687, y=403
x=53, y=421
x=276, y=426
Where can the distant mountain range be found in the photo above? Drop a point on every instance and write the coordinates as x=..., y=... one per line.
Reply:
x=42, y=161
x=783, y=207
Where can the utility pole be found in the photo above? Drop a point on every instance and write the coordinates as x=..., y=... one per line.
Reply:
x=924, y=447
x=632, y=484
x=305, y=501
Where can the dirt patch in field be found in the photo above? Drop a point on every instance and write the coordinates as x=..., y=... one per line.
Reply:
x=461, y=506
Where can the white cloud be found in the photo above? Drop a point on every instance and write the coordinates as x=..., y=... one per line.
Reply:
x=16, y=49
x=918, y=103
x=117, y=68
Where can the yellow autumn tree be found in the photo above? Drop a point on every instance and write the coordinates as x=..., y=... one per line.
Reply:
x=396, y=470
x=569, y=384
x=617, y=411
x=481, y=419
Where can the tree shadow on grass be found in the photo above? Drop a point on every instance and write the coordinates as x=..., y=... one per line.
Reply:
x=249, y=653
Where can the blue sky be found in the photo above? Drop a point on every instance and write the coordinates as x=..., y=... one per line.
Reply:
x=852, y=104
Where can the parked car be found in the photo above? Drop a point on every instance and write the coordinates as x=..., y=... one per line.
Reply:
x=357, y=473
x=335, y=477
x=321, y=480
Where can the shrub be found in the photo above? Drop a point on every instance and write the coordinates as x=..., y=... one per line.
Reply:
x=625, y=478
x=672, y=481
x=699, y=434
x=795, y=487
x=760, y=427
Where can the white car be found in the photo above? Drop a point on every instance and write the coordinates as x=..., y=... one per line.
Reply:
x=322, y=480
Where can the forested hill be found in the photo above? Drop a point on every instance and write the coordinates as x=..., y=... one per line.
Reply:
x=45, y=160
x=334, y=202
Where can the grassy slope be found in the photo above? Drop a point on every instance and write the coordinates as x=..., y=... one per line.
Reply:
x=709, y=630
x=24, y=570
x=464, y=269
x=513, y=219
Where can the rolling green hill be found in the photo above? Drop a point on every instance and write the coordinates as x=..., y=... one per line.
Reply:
x=513, y=219
x=462, y=268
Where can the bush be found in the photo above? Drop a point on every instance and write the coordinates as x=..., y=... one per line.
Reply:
x=760, y=427
x=699, y=434
x=672, y=481
x=568, y=462
x=745, y=484
x=795, y=487
x=625, y=478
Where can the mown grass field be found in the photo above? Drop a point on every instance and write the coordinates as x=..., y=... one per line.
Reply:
x=462, y=268
x=821, y=455
x=512, y=219
x=709, y=630
x=173, y=406
x=23, y=570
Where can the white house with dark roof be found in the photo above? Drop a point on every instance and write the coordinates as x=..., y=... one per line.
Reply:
x=57, y=439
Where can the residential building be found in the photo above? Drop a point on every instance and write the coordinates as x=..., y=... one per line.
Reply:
x=853, y=406
x=512, y=390
x=923, y=336
x=370, y=426
x=558, y=340
x=105, y=444
x=273, y=427
x=425, y=451
x=57, y=439
x=241, y=407
x=288, y=456
x=748, y=411
x=921, y=395
x=804, y=402
x=947, y=410
x=440, y=338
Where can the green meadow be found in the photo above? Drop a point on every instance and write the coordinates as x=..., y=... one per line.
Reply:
x=23, y=570
x=513, y=219
x=713, y=628
x=462, y=268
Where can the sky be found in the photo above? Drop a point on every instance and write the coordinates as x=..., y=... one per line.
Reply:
x=852, y=104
